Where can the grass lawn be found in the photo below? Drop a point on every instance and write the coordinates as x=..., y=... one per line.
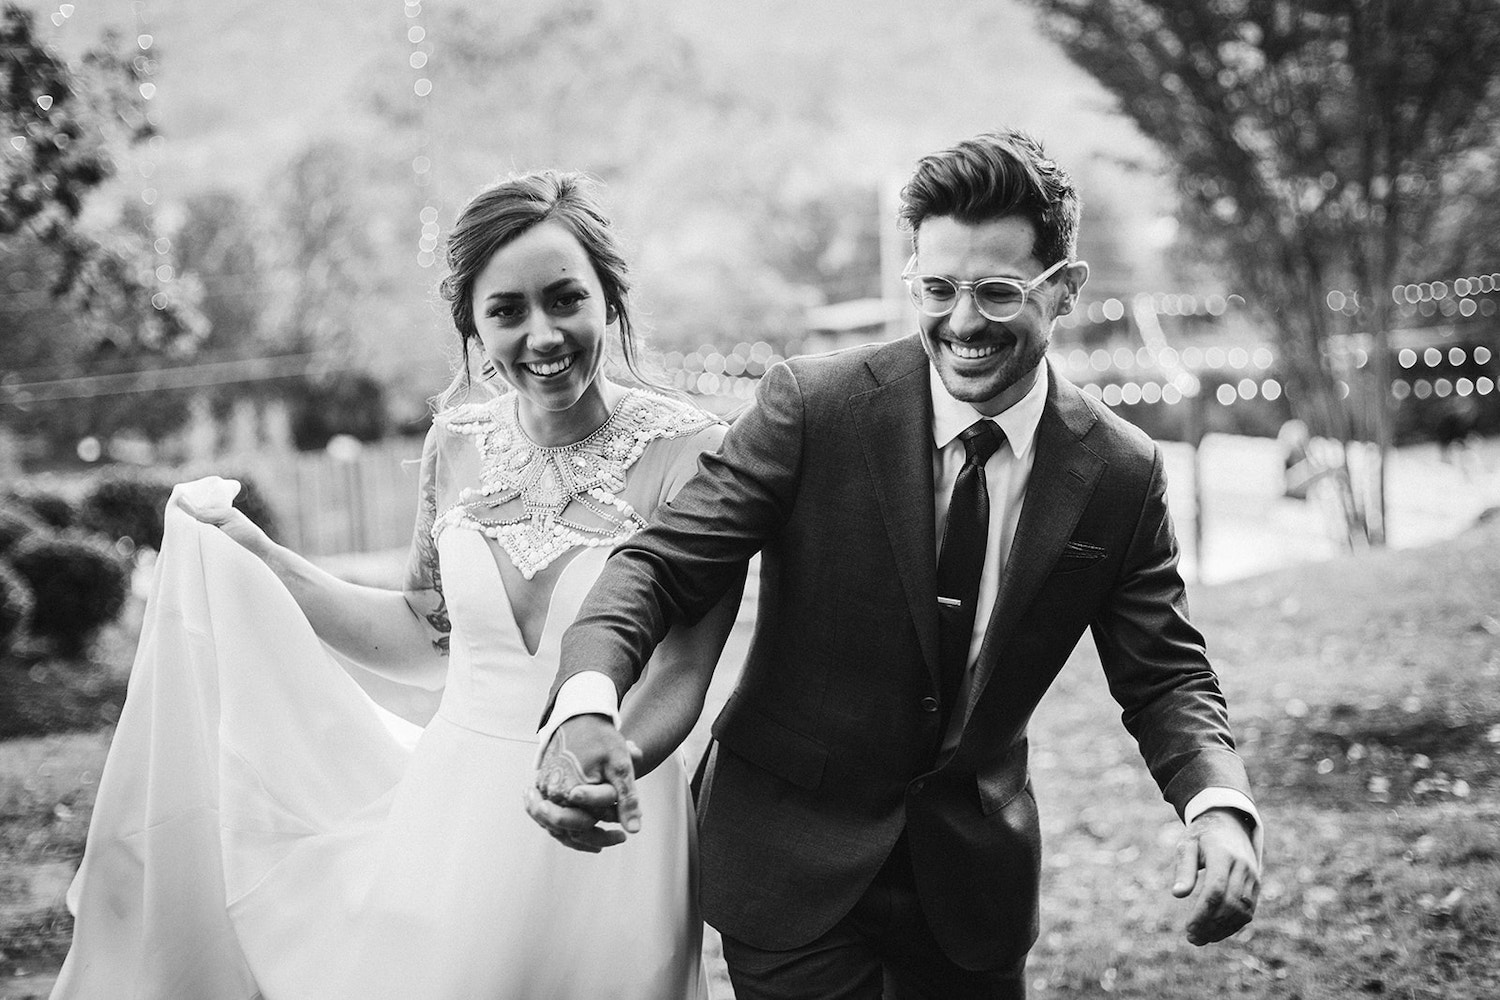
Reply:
x=1366, y=695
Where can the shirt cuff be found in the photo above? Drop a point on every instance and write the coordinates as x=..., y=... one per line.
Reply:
x=1215, y=797
x=588, y=692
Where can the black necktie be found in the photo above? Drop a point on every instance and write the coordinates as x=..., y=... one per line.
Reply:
x=962, y=558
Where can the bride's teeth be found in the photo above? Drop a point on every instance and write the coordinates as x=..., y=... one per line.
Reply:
x=550, y=367
x=971, y=352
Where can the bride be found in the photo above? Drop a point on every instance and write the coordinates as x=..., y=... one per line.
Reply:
x=283, y=814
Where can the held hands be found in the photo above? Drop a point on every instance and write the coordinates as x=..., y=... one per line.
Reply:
x=586, y=776
x=211, y=500
x=1221, y=858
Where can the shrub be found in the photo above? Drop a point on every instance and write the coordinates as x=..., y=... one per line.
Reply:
x=53, y=509
x=351, y=403
x=252, y=500
x=127, y=502
x=15, y=524
x=79, y=584
x=16, y=603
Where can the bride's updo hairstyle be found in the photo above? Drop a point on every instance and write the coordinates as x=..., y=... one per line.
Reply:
x=505, y=211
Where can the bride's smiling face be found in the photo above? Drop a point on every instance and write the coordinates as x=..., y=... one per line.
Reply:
x=542, y=317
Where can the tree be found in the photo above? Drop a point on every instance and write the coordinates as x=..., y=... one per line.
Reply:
x=323, y=263
x=77, y=300
x=64, y=125
x=219, y=249
x=1317, y=145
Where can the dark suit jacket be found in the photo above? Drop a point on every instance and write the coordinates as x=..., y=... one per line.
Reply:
x=829, y=745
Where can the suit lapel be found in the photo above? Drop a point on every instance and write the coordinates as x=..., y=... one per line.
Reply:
x=1062, y=479
x=895, y=432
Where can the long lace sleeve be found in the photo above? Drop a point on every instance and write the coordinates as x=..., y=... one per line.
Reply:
x=424, y=581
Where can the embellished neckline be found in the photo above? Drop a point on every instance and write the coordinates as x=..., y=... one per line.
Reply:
x=526, y=439
x=555, y=484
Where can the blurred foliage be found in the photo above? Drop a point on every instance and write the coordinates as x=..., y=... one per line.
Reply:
x=322, y=252
x=216, y=280
x=352, y=404
x=220, y=249
x=253, y=501
x=324, y=271
x=828, y=244
x=53, y=509
x=78, y=299
x=126, y=501
x=66, y=124
x=1315, y=146
x=15, y=524
x=79, y=583
x=16, y=604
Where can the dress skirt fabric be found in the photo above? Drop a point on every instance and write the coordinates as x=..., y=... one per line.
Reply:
x=265, y=829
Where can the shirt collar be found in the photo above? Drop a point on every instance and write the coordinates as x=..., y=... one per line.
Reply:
x=950, y=417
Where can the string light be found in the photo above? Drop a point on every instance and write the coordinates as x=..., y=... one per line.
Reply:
x=716, y=370
x=419, y=59
x=1416, y=293
x=1441, y=388
x=1168, y=360
x=1433, y=357
x=43, y=101
x=144, y=64
x=711, y=371
x=1183, y=304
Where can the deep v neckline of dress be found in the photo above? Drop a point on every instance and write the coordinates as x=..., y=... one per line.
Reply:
x=496, y=553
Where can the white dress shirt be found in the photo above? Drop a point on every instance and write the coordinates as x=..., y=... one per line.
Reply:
x=1006, y=474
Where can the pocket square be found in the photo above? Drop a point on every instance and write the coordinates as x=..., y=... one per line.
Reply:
x=1076, y=551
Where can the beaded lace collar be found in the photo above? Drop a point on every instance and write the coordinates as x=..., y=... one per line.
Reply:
x=549, y=480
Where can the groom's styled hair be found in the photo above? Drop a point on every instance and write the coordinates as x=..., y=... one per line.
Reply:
x=996, y=174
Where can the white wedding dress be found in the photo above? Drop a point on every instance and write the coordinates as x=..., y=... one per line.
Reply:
x=265, y=829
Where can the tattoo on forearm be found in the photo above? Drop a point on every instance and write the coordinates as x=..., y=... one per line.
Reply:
x=438, y=616
x=438, y=619
x=424, y=571
x=561, y=770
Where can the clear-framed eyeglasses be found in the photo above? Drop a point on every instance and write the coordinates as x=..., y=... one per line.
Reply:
x=998, y=299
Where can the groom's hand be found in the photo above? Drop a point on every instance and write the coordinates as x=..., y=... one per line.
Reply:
x=586, y=775
x=1220, y=856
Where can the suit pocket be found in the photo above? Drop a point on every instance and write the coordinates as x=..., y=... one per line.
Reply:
x=1002, y=779
x=998, y=787
x=1078, y=555
x=771, y=746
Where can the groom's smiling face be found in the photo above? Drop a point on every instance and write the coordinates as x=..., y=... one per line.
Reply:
x=984, y=362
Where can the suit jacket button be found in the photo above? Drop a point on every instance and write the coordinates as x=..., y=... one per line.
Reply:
x=928, y=704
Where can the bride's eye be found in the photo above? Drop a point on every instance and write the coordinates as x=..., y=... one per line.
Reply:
x=569, y=301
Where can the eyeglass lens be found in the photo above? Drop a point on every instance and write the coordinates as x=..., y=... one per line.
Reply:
x=997, y=298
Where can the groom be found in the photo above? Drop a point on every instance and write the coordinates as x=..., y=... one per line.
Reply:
x=939, y=519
